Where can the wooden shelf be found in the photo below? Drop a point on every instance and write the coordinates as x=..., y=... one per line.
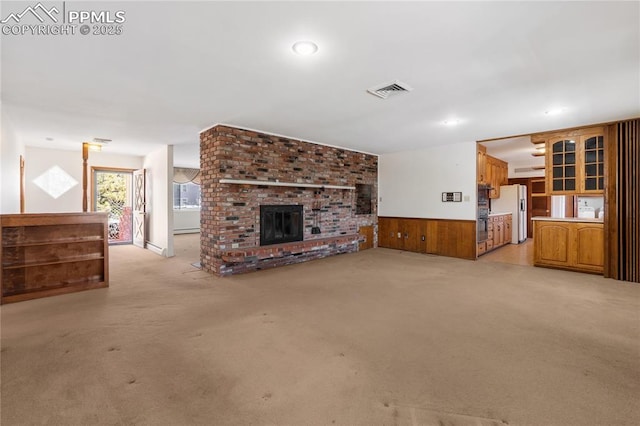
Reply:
x=50, y=242
x=288, y=184
x=53, y=262
x=49, y=254
x=63, y=288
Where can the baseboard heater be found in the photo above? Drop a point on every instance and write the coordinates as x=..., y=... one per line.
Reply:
x=157, y=250
x=186, y=231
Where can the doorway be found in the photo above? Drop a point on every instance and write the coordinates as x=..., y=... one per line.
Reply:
x=112, y=191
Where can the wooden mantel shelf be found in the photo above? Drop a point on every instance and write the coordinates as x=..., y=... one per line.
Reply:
x=289, y=184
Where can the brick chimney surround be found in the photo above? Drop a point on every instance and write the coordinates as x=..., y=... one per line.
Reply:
x=230, y=208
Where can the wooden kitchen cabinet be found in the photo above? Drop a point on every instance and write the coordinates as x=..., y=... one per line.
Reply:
x=482, y=248
x=497, y=172
x=481, y=164
x=507, y=229
x=48, y=254
x=573, y=245
x=498, y=233
x=574, y=161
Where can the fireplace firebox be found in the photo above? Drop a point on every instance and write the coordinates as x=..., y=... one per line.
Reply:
x=280, y=224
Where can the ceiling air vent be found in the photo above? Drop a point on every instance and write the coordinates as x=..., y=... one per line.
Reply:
x=528, y=169
x=384, y=90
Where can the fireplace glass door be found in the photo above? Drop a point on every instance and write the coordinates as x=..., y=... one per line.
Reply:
x=280, y=224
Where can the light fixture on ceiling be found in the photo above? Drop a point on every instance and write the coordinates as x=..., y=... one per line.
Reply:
x=451, y=122
x=97, y=144
x=540, y=149
x=48, y=139
x=305, y=48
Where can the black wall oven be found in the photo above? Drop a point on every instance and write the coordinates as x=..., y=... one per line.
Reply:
x=483, y=212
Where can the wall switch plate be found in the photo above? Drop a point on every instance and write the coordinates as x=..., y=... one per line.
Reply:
x=466, y=198
x=451, y=197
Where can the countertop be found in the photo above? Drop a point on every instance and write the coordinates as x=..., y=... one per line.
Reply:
x=568, y=219
x=498, y=214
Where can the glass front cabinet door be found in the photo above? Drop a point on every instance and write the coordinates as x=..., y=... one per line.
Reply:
x=575, y=165
x=563, y=169
x=593, y=179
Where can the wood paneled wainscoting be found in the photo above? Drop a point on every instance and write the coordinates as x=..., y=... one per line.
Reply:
x=444, y=237
x=622, y=202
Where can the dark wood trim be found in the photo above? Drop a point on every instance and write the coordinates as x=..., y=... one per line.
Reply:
x=85, y=158
x=568, y=129
x=428, y=218
x=610, y=204
x=622, y=202
x=21, y=184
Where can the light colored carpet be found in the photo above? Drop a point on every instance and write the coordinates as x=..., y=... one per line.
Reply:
x=380, y=337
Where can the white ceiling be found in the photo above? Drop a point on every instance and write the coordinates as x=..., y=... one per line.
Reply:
x=181, y=67
x=517, y=152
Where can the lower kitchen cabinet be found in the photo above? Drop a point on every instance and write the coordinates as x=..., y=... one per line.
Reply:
x=498, y=233
x=573, y=245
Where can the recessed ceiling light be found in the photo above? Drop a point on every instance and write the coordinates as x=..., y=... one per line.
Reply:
x=48, y=139
x=451, y=122
x=305, y=48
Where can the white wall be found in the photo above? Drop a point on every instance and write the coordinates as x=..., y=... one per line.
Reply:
x=159, y=190
x=39, y=160
x=520, y=174
x=186, y=221
x=107, y=159
x=10, y=151
x=411, y=183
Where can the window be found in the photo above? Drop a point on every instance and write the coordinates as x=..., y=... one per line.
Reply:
x=186, y=196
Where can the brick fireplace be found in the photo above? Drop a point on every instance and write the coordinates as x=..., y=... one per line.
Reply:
x=243, y=170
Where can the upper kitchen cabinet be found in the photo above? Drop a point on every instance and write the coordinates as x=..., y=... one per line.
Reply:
x=593, y=178
x=497, y=174
x=491, y=171
x=481, y=164
x=574, y=161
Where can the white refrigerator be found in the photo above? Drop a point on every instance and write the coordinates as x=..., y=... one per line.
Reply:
x=513, y=199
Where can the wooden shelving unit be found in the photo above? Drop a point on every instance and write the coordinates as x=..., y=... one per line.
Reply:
x=48, y=254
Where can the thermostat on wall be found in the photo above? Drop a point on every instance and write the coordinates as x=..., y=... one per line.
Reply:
x=452, y=197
